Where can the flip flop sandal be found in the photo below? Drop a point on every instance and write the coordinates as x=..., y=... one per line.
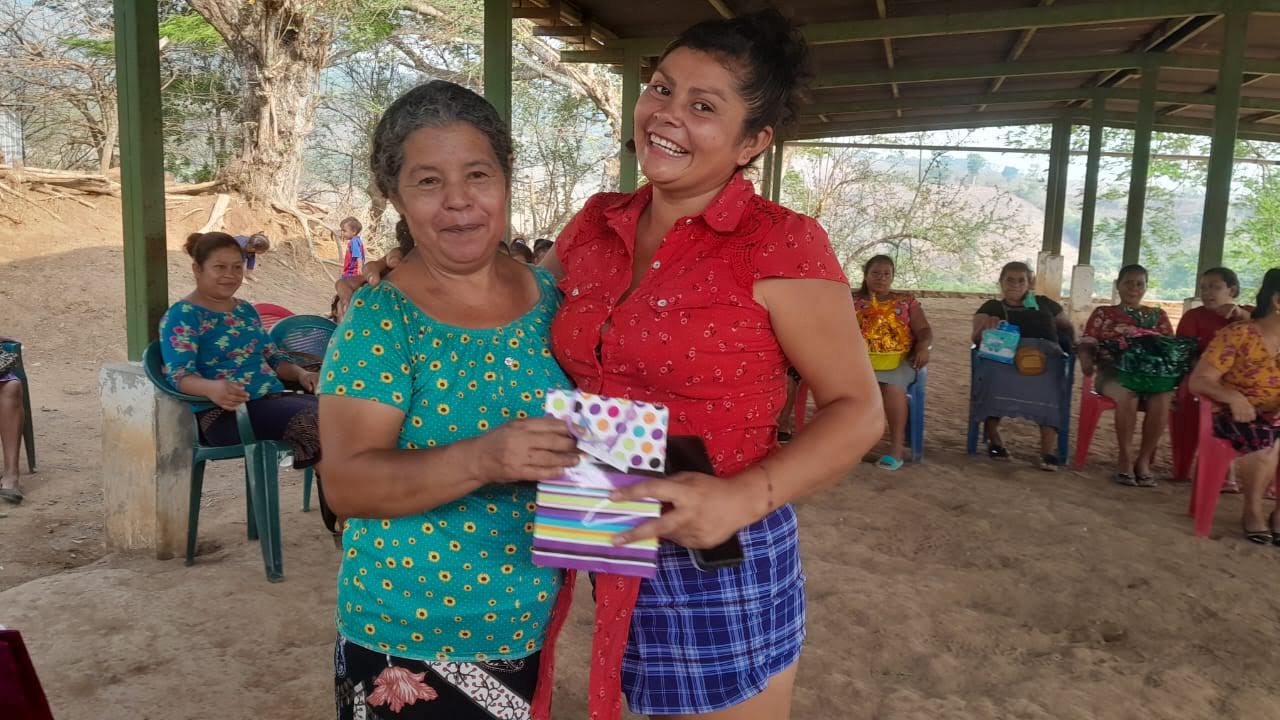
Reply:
x=889, y=462
x=1144, y=480
x=998, y=452
x=1261, y=537
x=1048, y=463
x=1125, y=479
x=1230, y=487
x=11, y=495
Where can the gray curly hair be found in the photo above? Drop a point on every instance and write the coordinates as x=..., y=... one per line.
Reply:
x=431, y=105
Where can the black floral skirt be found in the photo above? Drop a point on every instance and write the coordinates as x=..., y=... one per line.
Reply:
x=371, y=685
x=290, y=418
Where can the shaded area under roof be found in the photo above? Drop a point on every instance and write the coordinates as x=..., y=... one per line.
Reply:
x=898, y=65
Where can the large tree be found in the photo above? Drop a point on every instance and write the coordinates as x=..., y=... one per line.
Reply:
x=281, y=47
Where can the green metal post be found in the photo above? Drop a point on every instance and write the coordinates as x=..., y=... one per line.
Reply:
x=497, y=55
x=1091, y=179
x=628, y=174
x=1141, y=164
x=1056, y=192
x=1217, y=194
x=146, y=269
x=779, y=161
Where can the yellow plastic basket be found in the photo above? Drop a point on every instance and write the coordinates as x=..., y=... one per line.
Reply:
x=886, y=361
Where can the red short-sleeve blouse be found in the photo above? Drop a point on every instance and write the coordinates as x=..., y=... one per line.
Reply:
x=690, y=336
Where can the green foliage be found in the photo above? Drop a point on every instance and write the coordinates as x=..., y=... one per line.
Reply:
x=90, y=47
x=191, y=30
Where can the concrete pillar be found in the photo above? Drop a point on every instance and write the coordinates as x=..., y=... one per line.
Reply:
x=147, y=439
x=1049, y=274
x=1081, y=294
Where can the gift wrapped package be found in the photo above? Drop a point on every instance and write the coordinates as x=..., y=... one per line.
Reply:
x=621, y=442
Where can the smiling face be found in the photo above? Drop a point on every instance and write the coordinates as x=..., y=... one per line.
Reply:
x=453, y=195
x=1014, y=286
x=689, y=124
x=222, y=273
x=1132, y=287
x=1214, y=291
x=879, y=278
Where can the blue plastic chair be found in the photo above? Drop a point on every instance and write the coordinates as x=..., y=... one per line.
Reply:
x=262, y=494
x=304, y=338
x=28, y=423
x=915, y=411
x=977, y=425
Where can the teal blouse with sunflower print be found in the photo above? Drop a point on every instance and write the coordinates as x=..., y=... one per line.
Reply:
x=456, y=582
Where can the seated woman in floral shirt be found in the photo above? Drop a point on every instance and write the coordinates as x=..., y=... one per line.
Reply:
x=214, y=346
x=1241, y=370
x=1121, y=321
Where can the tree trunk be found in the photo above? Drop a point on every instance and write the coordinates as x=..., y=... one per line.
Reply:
x=280, y=47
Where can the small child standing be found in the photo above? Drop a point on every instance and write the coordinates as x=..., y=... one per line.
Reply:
x=251, y=245
x=353, y=257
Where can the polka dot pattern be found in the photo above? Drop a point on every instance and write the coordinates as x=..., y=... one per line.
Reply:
x=427, y=582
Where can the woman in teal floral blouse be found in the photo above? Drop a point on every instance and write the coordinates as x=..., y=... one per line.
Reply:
x=214, y=346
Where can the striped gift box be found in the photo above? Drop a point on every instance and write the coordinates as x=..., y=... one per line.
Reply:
x=574, y=525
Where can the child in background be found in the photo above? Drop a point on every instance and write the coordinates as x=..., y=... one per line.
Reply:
x=251, y=245
x=541, y=247
x=354, y=256
x=521, y=252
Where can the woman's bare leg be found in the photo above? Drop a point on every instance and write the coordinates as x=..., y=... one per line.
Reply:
x=1153, y=427
x=11, y=421
x=895, y=411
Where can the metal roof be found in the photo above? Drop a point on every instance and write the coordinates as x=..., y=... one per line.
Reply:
x=897, y=65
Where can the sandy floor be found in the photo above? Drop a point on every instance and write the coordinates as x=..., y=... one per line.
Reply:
x=959, y=588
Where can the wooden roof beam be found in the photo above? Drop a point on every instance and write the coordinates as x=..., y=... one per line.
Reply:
x=1092, y=13
x=725, y=11
x=1019, y=47
x=1061, y=66
x=883, y=12
x=1249, y=79
x=1023, y=97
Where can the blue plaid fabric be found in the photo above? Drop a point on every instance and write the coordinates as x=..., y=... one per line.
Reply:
x=705, y=641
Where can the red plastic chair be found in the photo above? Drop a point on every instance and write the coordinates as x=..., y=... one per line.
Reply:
x=1092, y=405
x=1215, y=458
x=1184, y=432
x=271, y=314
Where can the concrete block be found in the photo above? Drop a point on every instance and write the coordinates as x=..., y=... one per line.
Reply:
x=147, y=438
x=1049, y=275
x=1081, y=288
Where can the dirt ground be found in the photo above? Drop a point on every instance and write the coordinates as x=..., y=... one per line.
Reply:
x=957, y=588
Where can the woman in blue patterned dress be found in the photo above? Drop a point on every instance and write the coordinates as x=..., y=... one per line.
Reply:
x=214, y=346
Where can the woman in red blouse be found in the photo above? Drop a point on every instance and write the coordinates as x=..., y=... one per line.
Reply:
x=1219, y=288
x=697, y=293
x=1109, y=323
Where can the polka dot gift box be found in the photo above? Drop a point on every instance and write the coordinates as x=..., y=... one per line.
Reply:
x=622, y=442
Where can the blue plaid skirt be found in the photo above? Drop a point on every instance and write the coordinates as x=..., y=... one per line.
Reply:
x=705, y=641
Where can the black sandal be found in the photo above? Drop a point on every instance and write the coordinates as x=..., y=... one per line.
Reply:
x=1126, y=479
x=1261, y=537
x=1144, y=480
x=998, y=452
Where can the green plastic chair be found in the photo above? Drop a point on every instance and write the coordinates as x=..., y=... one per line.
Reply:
x=28, y=423
x=262, y=493
x=304, y=338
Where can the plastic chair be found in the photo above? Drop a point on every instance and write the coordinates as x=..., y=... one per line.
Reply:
x=977, y=425
x=262, y=499
x=1184, y=432
x=915, y=411
x=271, y=314
x=304, y=338
x=1092, y=405
x=28, y=423
x=1215, y=458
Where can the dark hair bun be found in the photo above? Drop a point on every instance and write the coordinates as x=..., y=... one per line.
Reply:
x=773, y=58
x=190, y=245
